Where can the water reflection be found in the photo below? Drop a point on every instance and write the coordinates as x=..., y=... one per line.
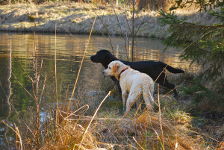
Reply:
x=20, y=53
x=5, y=85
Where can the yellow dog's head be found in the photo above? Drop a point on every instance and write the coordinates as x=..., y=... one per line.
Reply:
x=115, y=68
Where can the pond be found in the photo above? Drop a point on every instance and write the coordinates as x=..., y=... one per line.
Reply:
x=28, y=60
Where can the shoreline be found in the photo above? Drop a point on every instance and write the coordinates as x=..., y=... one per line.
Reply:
x=77, y=18
x=64, y=33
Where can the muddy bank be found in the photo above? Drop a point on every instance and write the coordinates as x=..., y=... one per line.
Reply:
x=78, y=18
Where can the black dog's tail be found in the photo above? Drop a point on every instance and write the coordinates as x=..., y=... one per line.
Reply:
x=173, y=70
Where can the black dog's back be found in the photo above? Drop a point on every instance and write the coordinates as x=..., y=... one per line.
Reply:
x=152, y=68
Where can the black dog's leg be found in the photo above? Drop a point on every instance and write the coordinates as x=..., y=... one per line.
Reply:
x=162, y=80
x=118, y=86
x=171, y=87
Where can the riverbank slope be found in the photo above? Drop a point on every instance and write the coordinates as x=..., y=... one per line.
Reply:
x=77, y=18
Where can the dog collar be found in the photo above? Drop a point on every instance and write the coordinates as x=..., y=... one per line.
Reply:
x=121, y=73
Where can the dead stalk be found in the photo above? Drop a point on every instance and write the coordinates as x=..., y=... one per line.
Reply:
x=17, y=132
x=110, y=40
x=55, y=71
x=160, y=121
x=83, y=57
x=37, y=95
x=73, y=113
x=133, y=30
x=84, y=134
x=126, y=42
x=22, y=86
x=138, y=143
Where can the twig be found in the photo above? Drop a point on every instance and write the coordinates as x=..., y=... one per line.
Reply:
x=55, y=71
x=43, y=88
x=203, y=134
x=138, y=143
x=16, y=130
x=84, y=118
x=84, y=54
x=23, y=86
x=133, y=30
x=108, y=33
x=84, y=134
x=122, y=33
x=160, y=121
x=73, y=113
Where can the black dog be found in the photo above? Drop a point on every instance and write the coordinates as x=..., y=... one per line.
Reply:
x=155, y=69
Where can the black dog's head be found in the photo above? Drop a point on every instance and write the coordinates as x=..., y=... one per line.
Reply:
x=104, y=57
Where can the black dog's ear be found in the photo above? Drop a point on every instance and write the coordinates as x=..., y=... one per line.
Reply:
x=110, y=56
x=104, y=57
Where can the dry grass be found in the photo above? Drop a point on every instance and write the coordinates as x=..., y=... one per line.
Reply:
x=172, y=136
x=69, y=135
x=140, y=132
x=75, y=130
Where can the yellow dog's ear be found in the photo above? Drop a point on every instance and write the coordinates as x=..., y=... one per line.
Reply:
x=115, y=67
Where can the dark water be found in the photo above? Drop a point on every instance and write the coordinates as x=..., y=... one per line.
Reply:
x=26, y=57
